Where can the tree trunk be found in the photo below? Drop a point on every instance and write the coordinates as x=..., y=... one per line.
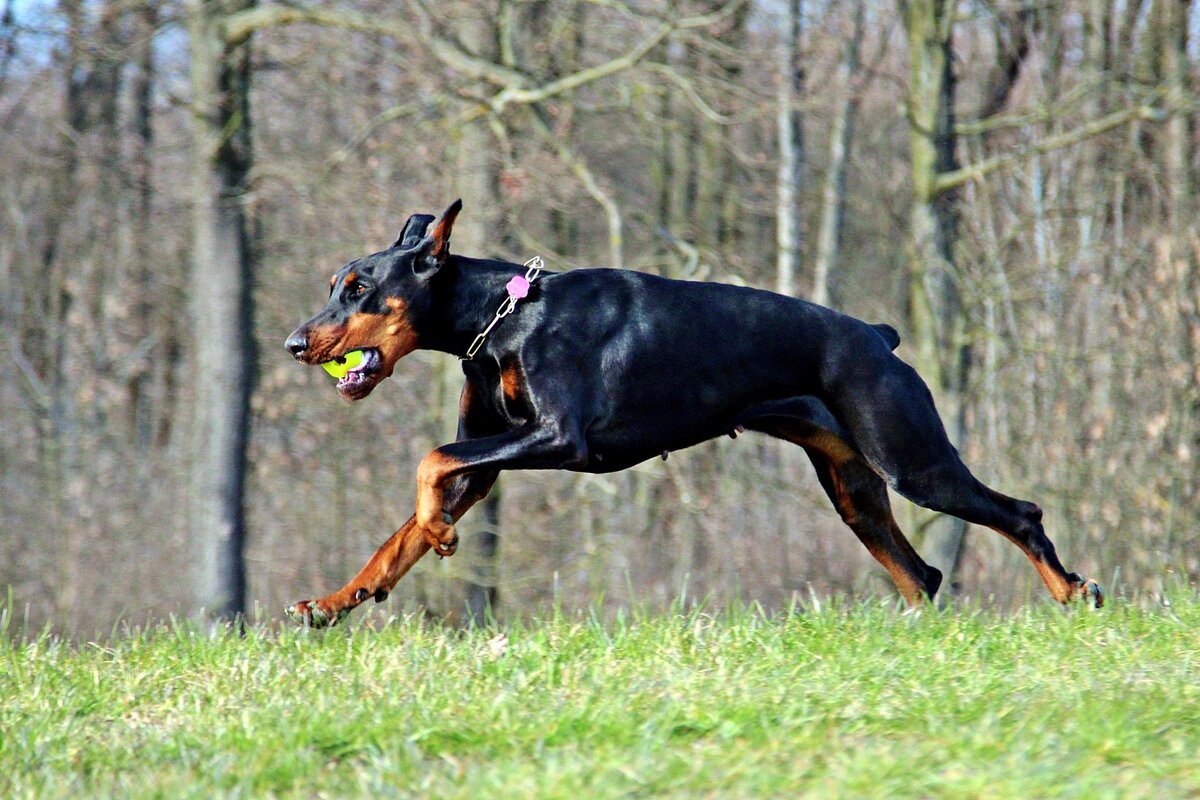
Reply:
x=222, y=348
x=92, y=77
x=666, y=154
x=833, y=196
x=789, y=235
x=936, y=315
x=727, y=201
x=478, y=233
x=140, y=373
x=482, y=592
x=8, y=41
x=45, y=337
x=1172, y=18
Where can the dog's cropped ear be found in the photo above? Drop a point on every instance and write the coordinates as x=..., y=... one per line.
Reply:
x=414, y=231
x=436, y=245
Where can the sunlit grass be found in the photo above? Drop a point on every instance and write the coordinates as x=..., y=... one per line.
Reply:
x=845, y=701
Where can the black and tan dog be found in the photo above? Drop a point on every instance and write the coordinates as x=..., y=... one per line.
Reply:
x=596, y=370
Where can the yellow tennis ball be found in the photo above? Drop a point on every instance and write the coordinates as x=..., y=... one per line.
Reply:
x=340, y=366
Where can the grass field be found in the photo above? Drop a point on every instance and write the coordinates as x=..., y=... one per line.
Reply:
x=841, y=701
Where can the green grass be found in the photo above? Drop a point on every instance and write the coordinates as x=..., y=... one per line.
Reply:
x=844, y=701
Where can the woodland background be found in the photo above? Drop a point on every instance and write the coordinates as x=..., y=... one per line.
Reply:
x=1012, y=184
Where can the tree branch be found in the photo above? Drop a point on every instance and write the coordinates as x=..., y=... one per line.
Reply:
x=515, y=93
x=241, y=25
x=1013, y=34
x=1027, y=116
x=692, y=94
x=36, y=389
x=587, y=179
x=516, y=90
x=955, y=178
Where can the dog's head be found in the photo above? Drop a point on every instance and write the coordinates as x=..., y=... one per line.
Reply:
x=377, y=306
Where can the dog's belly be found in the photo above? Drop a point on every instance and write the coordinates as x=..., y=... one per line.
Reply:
x=629, y=436
x=603, y=459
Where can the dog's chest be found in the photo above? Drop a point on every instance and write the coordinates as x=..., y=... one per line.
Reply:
x=502, y=391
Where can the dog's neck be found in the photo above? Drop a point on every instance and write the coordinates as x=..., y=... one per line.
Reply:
x=466, y=295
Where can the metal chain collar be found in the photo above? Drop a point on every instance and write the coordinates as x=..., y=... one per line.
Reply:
x=517, y=289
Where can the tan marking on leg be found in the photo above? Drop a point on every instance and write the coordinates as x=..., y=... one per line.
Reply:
x=432, y=473
x=1060, y=588
x=435, y=469
x=883, y=539
x=383, y=570
x=376, y=579
x=510, y=381
x=878, y=532
x=465, y=399
x=832, y=446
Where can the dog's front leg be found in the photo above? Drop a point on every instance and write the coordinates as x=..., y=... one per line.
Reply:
x=375, y=580
x=434, y=520
x=531, y=446
x=392, y=560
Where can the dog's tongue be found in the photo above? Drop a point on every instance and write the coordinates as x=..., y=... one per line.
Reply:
x=340, y=366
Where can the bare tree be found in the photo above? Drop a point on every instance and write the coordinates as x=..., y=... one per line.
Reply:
x=481, y=232
x=143, y=369
x=841, y=134
x=221, y=272
x=935, y=304
x=789, y=236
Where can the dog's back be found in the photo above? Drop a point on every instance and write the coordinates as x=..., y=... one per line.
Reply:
x=658, y=347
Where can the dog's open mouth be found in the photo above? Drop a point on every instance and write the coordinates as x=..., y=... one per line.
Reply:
x=355, y=370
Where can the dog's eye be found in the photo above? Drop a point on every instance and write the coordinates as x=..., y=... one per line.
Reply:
x=359, y=289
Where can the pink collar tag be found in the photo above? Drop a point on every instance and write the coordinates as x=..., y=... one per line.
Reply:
x=517, y=288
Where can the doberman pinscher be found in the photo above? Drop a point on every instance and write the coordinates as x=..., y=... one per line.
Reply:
x=596, y=370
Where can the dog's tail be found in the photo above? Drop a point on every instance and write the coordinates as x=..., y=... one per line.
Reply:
x=889, y=335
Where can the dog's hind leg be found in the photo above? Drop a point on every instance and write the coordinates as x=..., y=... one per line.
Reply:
x=953, y=490
x=889, y=414
x=859, y=495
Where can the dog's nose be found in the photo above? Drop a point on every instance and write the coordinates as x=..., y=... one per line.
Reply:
x=296, y=344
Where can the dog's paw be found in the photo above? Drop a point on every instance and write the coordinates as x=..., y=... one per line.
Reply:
x=442, y=537
x=310, y=614
x=1091, y=593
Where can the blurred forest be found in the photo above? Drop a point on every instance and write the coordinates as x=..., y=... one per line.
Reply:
x=1011, y=183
